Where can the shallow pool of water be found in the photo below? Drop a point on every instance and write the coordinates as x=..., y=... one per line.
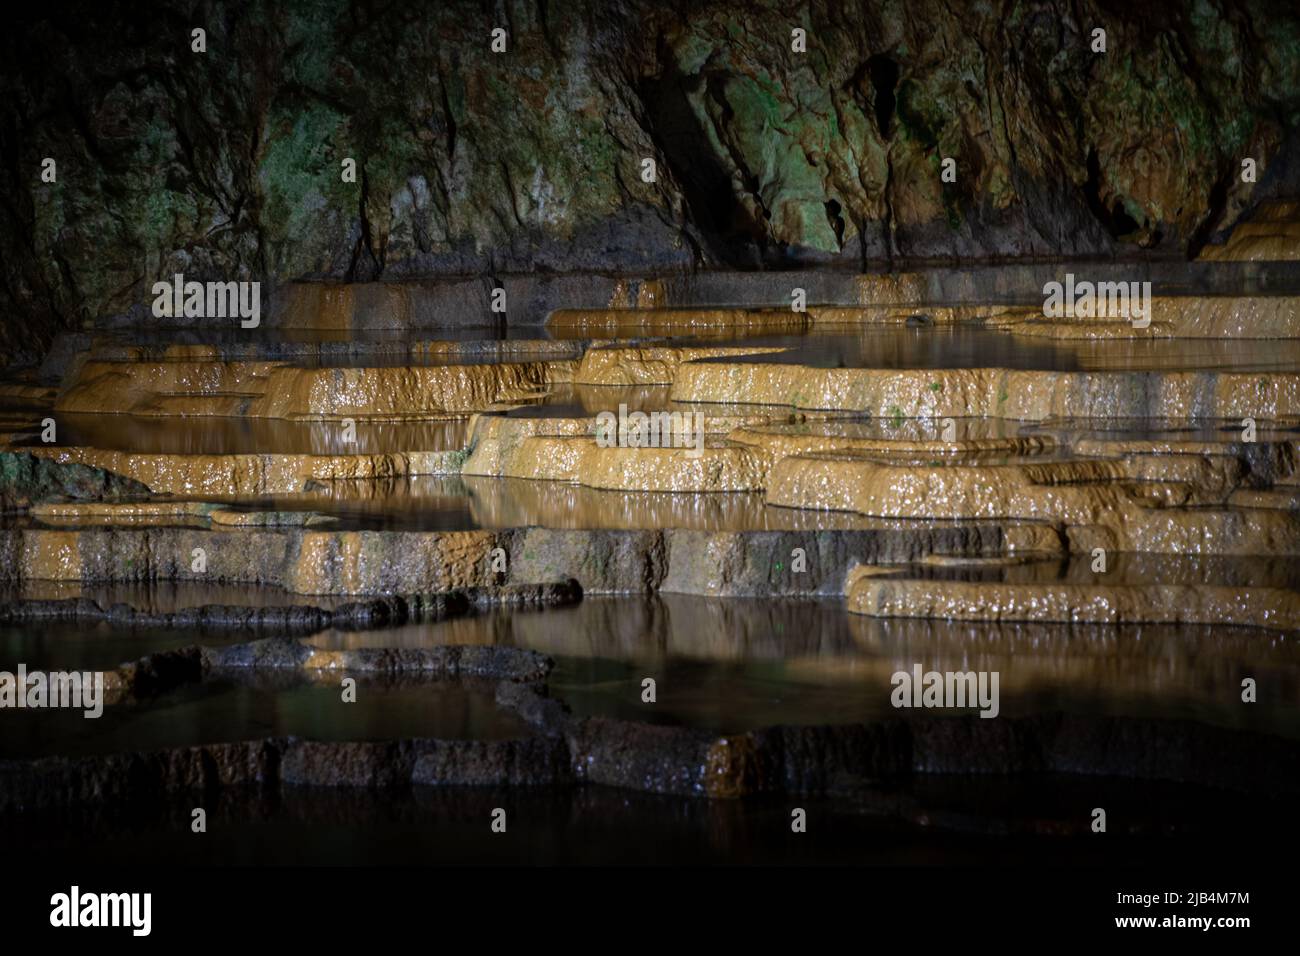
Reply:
x=224, y=710
x=737, y=664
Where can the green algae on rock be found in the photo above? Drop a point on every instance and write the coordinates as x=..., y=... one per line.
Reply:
x=27, y=479
x=471, y=163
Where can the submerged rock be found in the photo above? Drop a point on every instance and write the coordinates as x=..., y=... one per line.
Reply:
x=684, y=761
x=498, y=663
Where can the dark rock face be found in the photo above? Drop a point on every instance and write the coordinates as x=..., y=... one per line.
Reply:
x=684, y=761
x=226, y=164
x=56, y=781
x=528, y=762
x=27, y=479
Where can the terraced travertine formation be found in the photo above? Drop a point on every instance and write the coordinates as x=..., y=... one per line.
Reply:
x=1109, y=516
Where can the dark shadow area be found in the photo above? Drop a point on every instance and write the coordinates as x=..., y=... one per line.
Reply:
x=730, y=233
x=1116, y=220
x=884, y=78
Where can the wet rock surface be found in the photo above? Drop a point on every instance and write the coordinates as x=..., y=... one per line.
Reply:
x=26, y=479
x=889, y=466
x=764, y=157
x=467, y=662
x=1261, y=607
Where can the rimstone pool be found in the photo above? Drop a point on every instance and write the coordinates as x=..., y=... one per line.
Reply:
x=279, y=560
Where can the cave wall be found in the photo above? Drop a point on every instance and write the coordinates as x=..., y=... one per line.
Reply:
x=226, y=164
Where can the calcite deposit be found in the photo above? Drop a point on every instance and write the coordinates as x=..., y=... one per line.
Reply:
x=1016, y=394
x=1270, y=234
x=275, y=390
x=266, y=474
x=1273, y=608
x=962, y=462
x=650, y=365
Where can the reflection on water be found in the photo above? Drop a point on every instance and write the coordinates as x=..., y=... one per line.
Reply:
x=208, y=435
x=727, y=665
x=220, y=711
x=283, y=342
x=941, y=346
x=737, y=664
x=597, y=825
x=159, y=597
x=91, y=646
